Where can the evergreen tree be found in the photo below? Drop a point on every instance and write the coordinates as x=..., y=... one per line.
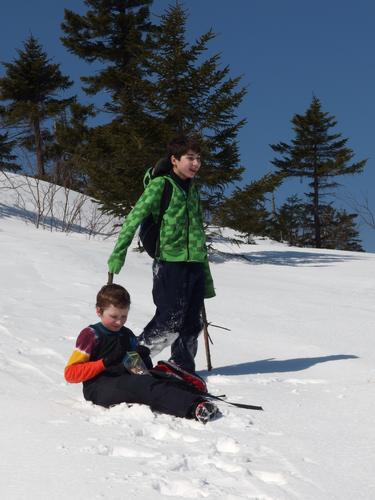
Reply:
x=317, y=155
x=245, y=210
x=29, y=89
x=339, y=230
x=158, y=89
x=115, y=162
x=67, y=149
x=294, y=223
x=116, y=35
x=6, y=156
x=195, y=95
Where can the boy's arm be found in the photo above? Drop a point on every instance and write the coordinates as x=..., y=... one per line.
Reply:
x=79, y=368
x=150, y=198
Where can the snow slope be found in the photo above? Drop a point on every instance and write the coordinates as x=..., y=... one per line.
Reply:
x=301, y=344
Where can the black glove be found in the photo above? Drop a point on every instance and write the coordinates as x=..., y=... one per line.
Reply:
x=144, y=353
x=115, y=356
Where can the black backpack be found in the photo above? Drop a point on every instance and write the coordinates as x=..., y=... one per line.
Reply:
x=149, y=231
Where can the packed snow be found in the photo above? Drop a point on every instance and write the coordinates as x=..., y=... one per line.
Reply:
x=301, y=344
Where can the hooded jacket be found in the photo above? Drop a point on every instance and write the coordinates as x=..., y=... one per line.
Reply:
x=182, y=237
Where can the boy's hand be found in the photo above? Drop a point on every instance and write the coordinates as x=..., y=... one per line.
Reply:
x=144, y=353
x=115, y=264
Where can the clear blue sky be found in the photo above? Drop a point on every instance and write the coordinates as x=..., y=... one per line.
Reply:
x=287, y=51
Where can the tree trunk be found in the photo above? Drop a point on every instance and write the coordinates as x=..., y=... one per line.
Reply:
x=40, y=172
x=317, y=228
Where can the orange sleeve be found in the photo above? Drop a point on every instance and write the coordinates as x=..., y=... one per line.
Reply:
x=79, y=367
x=79, y=372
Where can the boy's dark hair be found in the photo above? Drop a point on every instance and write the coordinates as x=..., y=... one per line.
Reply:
x=180, y=145
x=115, y=295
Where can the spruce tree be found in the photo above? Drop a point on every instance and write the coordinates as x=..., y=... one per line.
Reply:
x=158, y=88
x=29, y=89
x=294, y=223
x=6, y=155
x=196, y=95
x=339, y=230
x=317, y=155
x=67, y=149
x=115, y=35
x=245, y=210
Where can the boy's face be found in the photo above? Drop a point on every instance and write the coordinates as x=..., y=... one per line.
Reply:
x=113, y=317
x=187, y=166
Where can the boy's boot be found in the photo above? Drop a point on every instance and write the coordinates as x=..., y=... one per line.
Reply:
x=205, y=411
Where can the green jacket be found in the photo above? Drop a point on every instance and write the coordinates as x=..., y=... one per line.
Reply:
x=182, y=237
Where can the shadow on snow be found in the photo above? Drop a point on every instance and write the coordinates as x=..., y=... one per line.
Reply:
x=46, y=222
x=283, y=258
x=273, y=365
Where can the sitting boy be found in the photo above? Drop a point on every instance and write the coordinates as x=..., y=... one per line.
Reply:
x=97, y=361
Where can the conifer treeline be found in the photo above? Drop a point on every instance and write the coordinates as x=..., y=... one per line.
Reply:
x=158, y=85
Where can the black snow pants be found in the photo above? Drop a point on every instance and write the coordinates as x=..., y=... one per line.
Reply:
x=178, y=293
x=160, y=395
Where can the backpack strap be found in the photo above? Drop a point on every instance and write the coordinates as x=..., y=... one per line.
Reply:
x=164, y=204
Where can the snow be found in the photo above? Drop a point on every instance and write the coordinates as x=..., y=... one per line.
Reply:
x=301, y=344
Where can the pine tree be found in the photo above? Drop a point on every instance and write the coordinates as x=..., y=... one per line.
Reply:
x=68, y=145
x=295, y=224
x=29, y=89
x=317, y=155
x=245, y=210
x=114, y=34
x=339, y=230
x=115, y=162
x=6, y=156
x=150, y=106
x=292, y=223
x=193, y=95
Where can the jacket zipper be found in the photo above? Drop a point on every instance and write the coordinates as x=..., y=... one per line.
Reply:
x=188, y=225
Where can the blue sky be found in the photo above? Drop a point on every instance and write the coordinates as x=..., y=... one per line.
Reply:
x=287, y=51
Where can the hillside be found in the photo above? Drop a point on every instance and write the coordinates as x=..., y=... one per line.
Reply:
x=301, y=344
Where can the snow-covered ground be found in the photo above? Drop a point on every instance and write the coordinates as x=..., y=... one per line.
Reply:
x=302, y=344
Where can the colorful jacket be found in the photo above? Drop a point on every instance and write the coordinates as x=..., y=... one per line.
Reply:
x=182, y=237
x=92, y=345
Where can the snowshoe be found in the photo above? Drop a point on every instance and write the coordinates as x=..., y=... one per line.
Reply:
x=206, y=411
x=191, y=379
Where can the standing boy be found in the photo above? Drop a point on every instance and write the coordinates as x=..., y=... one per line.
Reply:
x=181, y=274
x=98, y=362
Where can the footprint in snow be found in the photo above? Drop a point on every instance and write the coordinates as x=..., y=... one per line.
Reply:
x=5, y=331
x=181, y=488
x=270, y=477
x=227, y=445
x=297, y=381
x=125, y=452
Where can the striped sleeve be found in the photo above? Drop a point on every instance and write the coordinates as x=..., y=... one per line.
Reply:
x=79, y=367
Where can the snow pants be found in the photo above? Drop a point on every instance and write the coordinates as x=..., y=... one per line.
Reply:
x=160, y=395
x=178, y=293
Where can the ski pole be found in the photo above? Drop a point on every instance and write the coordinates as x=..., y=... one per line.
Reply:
x=207, y=338
x=110, y=279
x=218, y=326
